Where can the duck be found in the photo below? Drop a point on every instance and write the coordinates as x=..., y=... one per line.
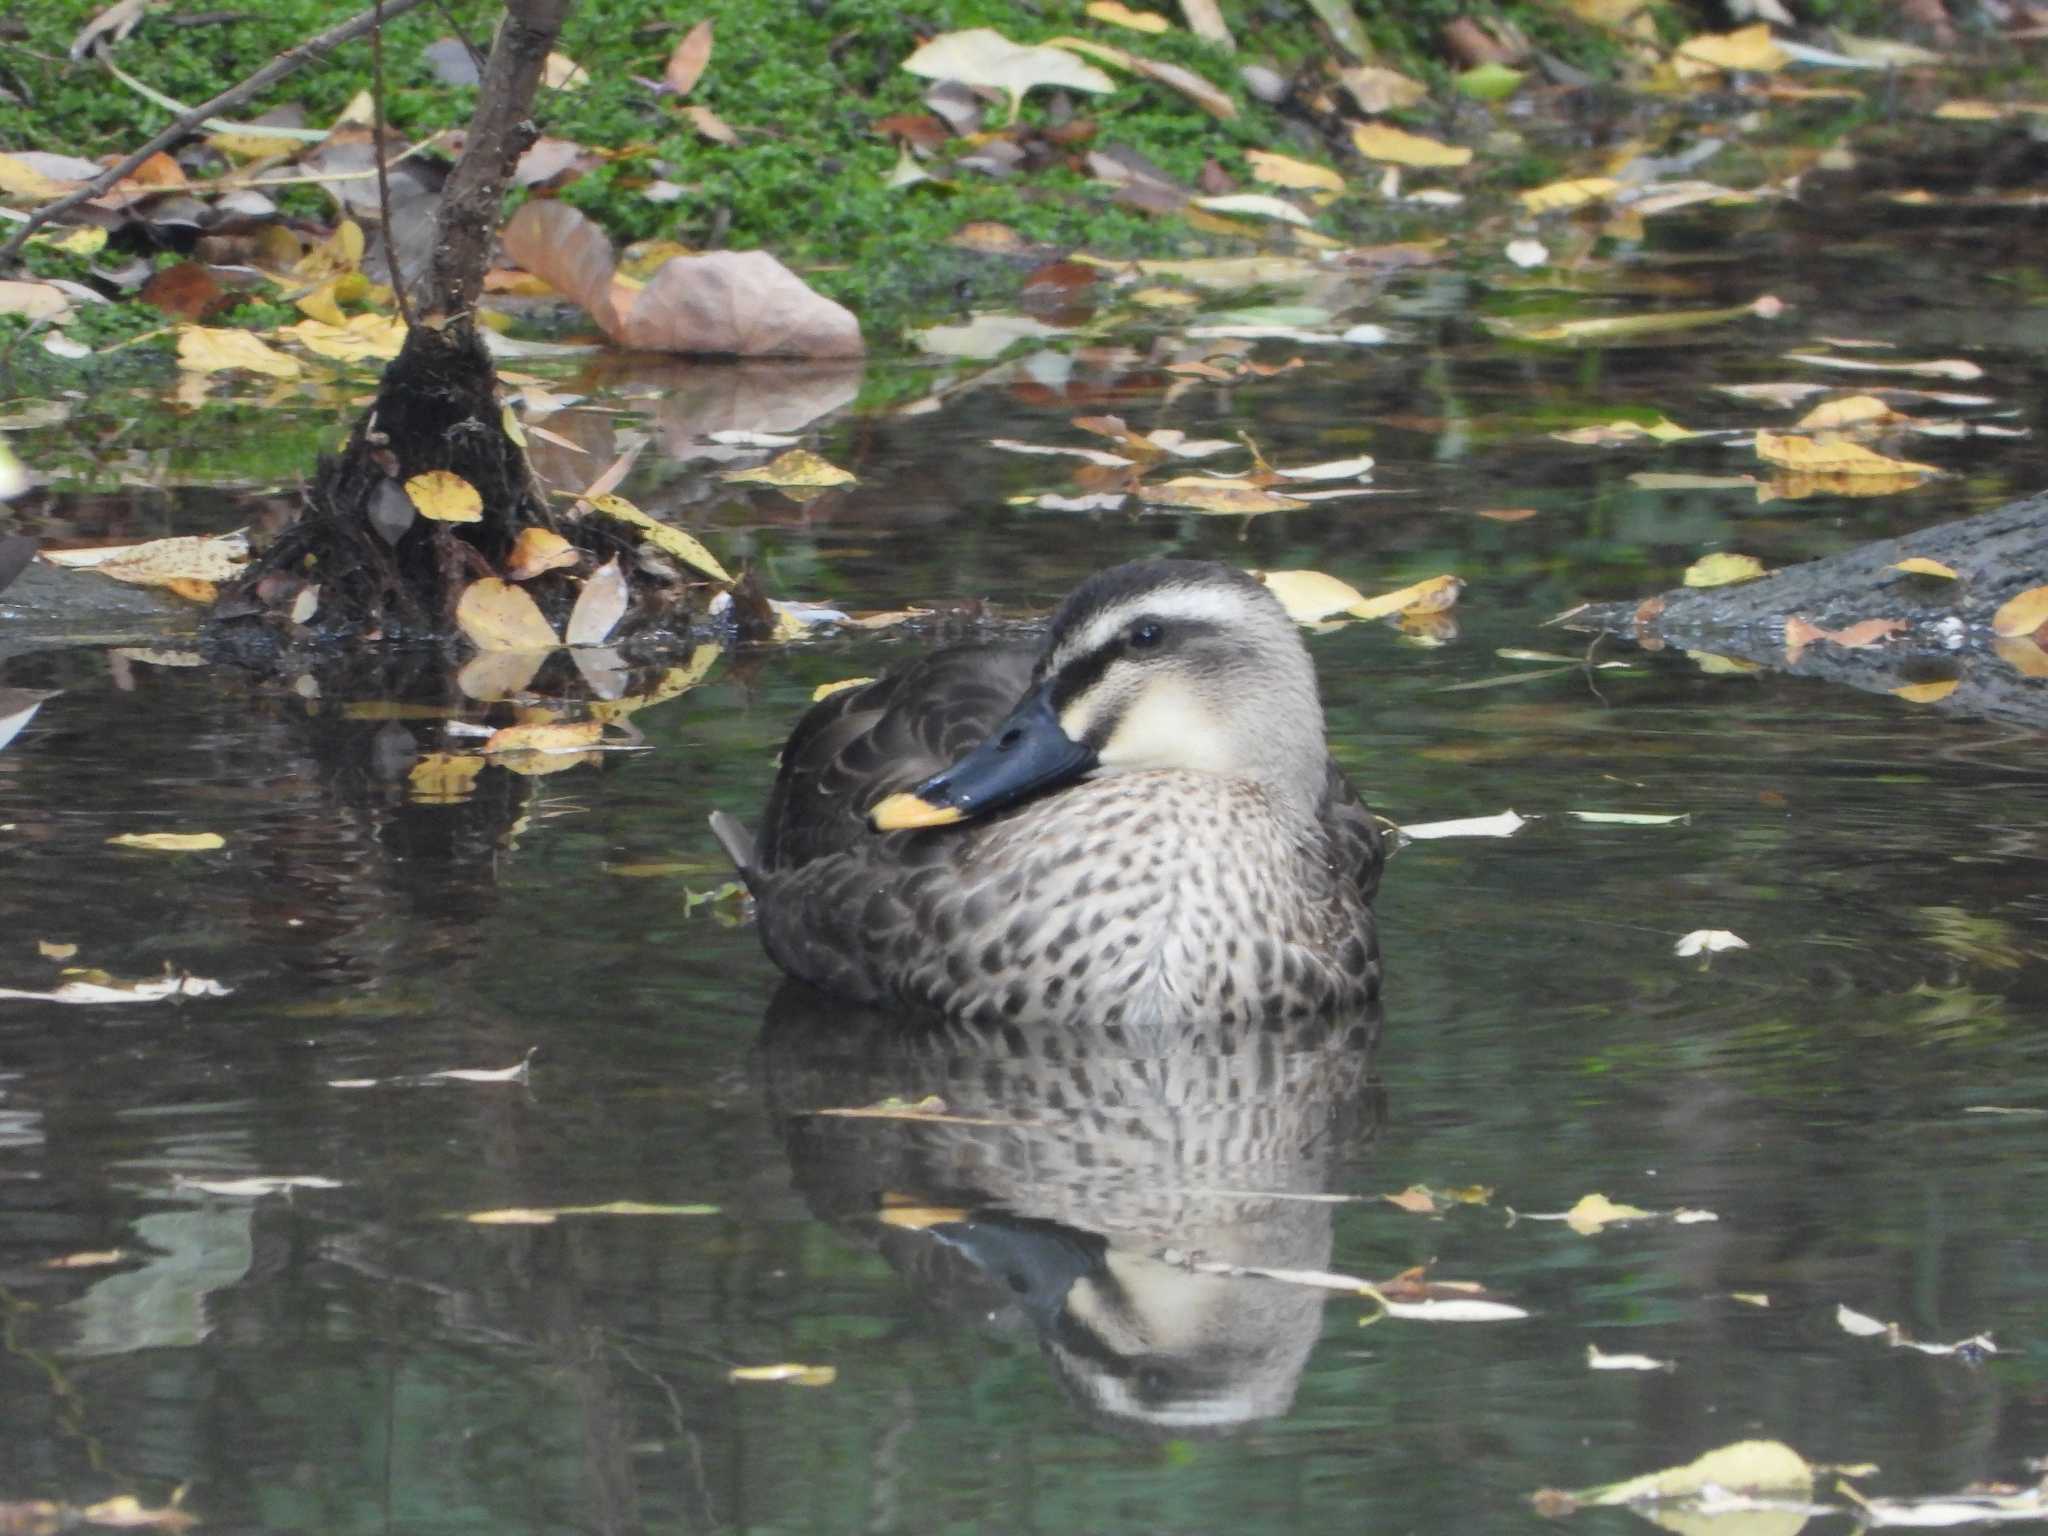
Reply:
x=1136, y=825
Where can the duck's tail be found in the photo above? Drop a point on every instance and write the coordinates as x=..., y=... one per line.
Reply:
x=737, y=842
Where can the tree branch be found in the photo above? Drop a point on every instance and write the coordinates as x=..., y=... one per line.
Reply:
x=310, y=51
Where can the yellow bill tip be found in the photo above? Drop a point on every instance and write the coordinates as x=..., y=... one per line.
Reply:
x=905, y=811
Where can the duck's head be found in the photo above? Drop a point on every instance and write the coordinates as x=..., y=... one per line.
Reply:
x=1179, y=664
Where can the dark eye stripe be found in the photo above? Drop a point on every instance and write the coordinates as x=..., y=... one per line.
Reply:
x=1085, y=671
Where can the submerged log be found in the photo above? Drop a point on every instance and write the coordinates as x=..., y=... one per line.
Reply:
x=1944, y=633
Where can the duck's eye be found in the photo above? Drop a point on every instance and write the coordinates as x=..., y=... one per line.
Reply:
x=1146, y=636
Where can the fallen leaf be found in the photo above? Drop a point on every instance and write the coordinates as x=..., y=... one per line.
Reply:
x=1595, y=1211
x=1285, y=171
x=1927, y=693
x=795, y=1375
x=1939, y=368
x=1920, y=565
x=1746, y=1467
x=1850, y=411
x=599, y=606
x=711, y=126
x=542, y=1216
x=1596, y=1361
x=170, y=842
x=1633, y=818
x=1378, y=90
x=1508, y=514
x=443, y=778
x=537, y=550
x=1221, y=496
x=1607, y=434
x=50, y=949
x=826, y=690
x=1118, y=14
x=2021, y=614
x=1378, y=141
x=445, y=496
x=982, y=56
x=1557, y=196
x=96, y=1259
x=797, y=466
x=364, y=337
x=203, y=349
x=1829, y=455
x=1799, y=634
x=669, y=540
x=35, y=301
x=1629, y=327
x=562, y=73
x=1253, y=205
x=2021, y=653
x=187, y=557
x=544, y=736
x=1857, y=1324
x=1506, y=824
x=497, y=616
x=1432, y=595
x=1414, y=1199
x=687, y=63
x=1751, y=49
x=1707, y=941
x=1723, y=569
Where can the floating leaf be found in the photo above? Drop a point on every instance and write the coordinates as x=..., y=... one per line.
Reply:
x=543, y=1216
x=1629, y=327
x=445, y=496
x=360, y=338
x=1596, y=1361
x=497, y=616
x=1595, y=1211
x=202, y=350
x=671, y=541
x=1285, y=171
x=537, y=550
x=1506, y=824
x=599, y=606
x=1831, y=456
x=1662, y=430
x=2021, y=614
x=1432, y=595
x=798, y=467
x=1634, y=818
x=1938, y=368
x=1310, y=596
x=159, y=562
x=544, y=736
x=1850, y=411
x=1707, y=941
x=443, y=778
x=1557, y=196
x=795, y=1375
x=1723, y=569
x=1222, y=496
x=1378, y=90
x=170, y=842
x=1377, y=141
x=1920, y=565
x=1747, y=1467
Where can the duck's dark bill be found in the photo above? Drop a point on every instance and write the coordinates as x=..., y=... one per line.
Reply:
x=1026, y=752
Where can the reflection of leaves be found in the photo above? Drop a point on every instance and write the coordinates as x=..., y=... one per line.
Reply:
x=1747, y=1467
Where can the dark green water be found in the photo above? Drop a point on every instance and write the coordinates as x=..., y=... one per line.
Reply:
x=351, y=1358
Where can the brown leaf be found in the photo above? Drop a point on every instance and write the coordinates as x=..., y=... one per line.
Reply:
x=711, y=125
x=188, y=291
x=686, y=64
x=537, y=550
x=1800, y=633
x=1414, y=1198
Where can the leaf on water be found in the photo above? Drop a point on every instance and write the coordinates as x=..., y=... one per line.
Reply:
x=1432, y=595
x=159, y=562
x=537, y=550
x=1392, y=146
x=1220, y=496
x=547, y=1215
x=497, y=616
x=1596, y=1361
x=203, y=350
x=1938, y=368
x=1707, y=941
x=1628, y=327
x=1831, y=456
x=443, y=778
x=1595, y=1211
x=1453, y=1310
x=1118, y=14
x=170, y=842
x=1506, y=824
x=1723, y=569
x=1858, y=1324
x=982, y=56
x=1557, y=196
x=257, y=1185
x=364, y=337
x=1750, y=1298
x=1414, y=1199
x=1746, y=1467
x=1285, y=171
x=797, y=466
x=1310, y=596
x=599, y=606
x=687, y=63
x=1508, y=514
x=1969, y=1507
x=794, y=1375
x=1920, y=565
x=2021, y=614
x=826, y=690
x=1799, y=634
x=1662, y=430
x=51, y=950
x=1784, y=396
x=518, y=1072
x=97, y=1259
x=1750, y=49
x=1254, y=205
x=669, y=540
x=549, y=736
x=445, y=496
x=101, y=988
x=1634, y=818
x=1335, y=469
x=1849, y=411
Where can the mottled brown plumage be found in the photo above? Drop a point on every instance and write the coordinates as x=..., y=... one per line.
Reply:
x=1210, y=862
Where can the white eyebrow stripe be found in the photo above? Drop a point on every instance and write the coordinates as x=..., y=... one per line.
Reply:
x=1213, y=605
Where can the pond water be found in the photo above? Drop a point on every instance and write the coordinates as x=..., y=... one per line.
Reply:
x=1855, y=1098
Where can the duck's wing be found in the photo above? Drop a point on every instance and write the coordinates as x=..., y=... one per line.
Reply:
x=860, y=744
x=1359, y=848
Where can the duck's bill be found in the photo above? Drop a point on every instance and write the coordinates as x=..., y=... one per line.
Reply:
x=1026, y=753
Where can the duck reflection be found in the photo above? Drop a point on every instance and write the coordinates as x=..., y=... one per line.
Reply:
x=1066, y=1182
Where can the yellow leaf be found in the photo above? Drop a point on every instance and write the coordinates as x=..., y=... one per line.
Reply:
x=2021, y=653
x=1596, y=1211
x=160, y=562
x=1750, y=48
x=1661, y=430
x=361, y=337
x=562, y=73
x=1628, y=327
x=826, y=690
x=537, y=550
x=1723, y=666
x=1200, y=494
x=917, y=1218
x=170, y=842
x=1970, y=111
x=1920, y=565
x=498, y=616
x=50, y=949
x=204, y=349
x=1376, y=141
x=1165, y=298
x=443, y=778
x=796, y=1375
x=798, y=466
x=1119, y=15
x=1556, y=196
x=445, y=496
x=545, y=736
x=1927, y=693
x=671, y=541
x=2022, y=614
x=1378, y=90
x=1309, y=596
x=321, y=304
x=1831, y=456
x=1747, y=1467
x=1286, y=171
x=1430, y=596
x=1723, y=569
x=1853, y=410
x=19, y=179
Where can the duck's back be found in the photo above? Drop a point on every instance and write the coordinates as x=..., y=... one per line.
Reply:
x=1129, y=899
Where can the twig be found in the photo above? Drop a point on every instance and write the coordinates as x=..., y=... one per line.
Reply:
x=310, y=51
x=383, y=177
